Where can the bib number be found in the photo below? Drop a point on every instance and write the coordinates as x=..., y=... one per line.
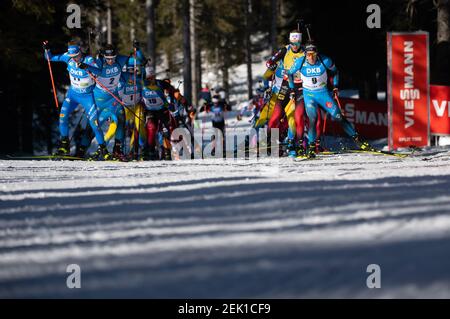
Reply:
x=80, y=83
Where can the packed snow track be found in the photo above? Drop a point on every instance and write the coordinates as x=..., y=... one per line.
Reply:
x=270, y=228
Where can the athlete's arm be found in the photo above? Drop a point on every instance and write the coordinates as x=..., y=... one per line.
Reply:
x=57, y=57
x=289, y=74
x=140, y=56
x=272, y=62
x=332, y=71
x=295, y=67
x=89, y=65
x=122, y=60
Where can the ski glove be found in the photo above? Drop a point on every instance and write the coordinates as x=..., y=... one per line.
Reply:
x=82, y=66
x=271, y=65
x=292, y=95
x=336, y=92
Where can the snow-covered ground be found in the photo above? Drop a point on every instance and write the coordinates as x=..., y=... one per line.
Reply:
x=213, y=228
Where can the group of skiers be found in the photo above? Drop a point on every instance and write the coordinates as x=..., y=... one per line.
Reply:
x=303, y=82
x=123, y=90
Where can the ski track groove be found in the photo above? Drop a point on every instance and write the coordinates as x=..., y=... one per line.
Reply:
x=269, y=228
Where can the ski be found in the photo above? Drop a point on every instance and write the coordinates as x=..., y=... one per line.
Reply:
x=379, y=152
x=56, y=158
x=44, y=158
x=305, y=158
x=330, y=153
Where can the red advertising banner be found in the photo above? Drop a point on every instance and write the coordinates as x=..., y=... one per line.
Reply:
x=440, y=110
x=369, y=118
x=408, y=89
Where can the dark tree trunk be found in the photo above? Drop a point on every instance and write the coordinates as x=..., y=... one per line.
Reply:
x=443, y=43
x=248, y=47
x=187, y=69
x=273, y=24
x=194, y=51
x=198, y=70
x=225, y=74
x=151, y=41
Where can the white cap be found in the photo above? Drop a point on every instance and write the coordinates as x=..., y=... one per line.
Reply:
x=295, y=37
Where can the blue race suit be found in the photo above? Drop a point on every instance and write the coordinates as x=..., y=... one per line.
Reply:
x=316, y=93
x=80, y=92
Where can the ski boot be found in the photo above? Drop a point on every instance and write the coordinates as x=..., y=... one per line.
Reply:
x=291, y=149
x=101, y=154
x=301, y=149
x=63, y=148
x=319, y=148
x=80, y=151
x=362, y=144
x=311, y=150
x=117, y=153
x=167, y=154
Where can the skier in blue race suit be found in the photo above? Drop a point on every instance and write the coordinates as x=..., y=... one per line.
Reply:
x=108, y=80
x=316, y=71
x=80, y=92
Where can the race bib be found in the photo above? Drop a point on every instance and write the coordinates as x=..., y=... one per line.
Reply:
x=153, y=102
x=315, y=82
x=129, y=99
x=110, y=83
x=80, y=82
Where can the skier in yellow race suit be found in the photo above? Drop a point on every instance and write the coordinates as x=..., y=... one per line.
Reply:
x=276, y=76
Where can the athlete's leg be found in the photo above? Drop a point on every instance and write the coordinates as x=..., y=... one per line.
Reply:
x=88, y=103
x=120, y=115
x=152, y=128
x=266, y=112
x=311, y=110
x=319, y=125
x=67, y=108
x=140, y=119
x=108, y=113
x=299, y=113
x=290, y=115
x=101, y=101
x=328, y=103
x=319, y=130
x=278, y=111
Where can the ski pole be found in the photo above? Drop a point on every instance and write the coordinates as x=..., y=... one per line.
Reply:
x=300, y=22
x=51, y=76
x=339, y=103
x=324, y=123
x=308, y=26
x=136, y=125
